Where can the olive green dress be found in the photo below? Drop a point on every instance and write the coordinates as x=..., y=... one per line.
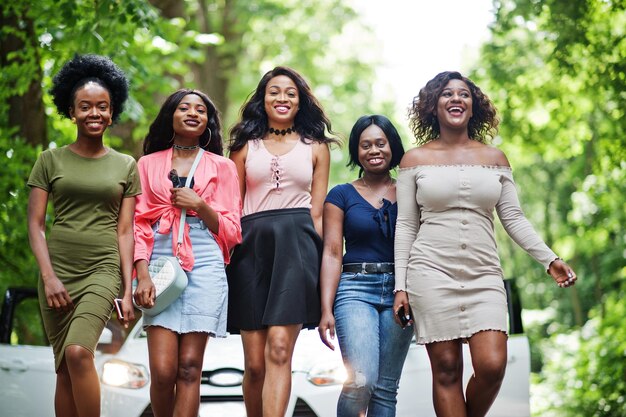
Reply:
x=86, y=194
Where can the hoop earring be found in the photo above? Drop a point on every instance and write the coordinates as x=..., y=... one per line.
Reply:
x=172, y=140
x=208, y=140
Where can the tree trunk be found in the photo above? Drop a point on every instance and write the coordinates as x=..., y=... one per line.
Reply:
x=26, y=111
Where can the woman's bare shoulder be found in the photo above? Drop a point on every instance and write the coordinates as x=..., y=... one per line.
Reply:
x=416, y=156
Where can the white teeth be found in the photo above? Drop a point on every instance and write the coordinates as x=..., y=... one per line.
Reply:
x=455, y=109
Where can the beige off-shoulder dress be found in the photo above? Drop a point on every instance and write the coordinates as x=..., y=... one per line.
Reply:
x=445, y=249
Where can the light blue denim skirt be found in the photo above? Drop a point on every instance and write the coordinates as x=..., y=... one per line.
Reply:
x=203, y=305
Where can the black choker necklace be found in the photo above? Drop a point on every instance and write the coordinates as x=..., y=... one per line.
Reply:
x=282, y=132
x=185, y=148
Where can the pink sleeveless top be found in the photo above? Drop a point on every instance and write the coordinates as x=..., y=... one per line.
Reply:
x=278, y=181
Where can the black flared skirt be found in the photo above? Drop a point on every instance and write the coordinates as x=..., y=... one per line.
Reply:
x=273, y=276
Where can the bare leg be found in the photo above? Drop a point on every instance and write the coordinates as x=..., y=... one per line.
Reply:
x=163, y=354
x=281, y=341
x=190, y=356
x=446, y=361
x=85, y=383
x=63, y=397
x=254, y=375
x=489, y=356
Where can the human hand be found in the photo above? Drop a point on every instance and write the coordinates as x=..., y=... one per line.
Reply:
x=327, y=325
x=562, y=273
x=128, y=310
x=145, y=293
x=57, y=296
x=185, y=198
x=401, y=301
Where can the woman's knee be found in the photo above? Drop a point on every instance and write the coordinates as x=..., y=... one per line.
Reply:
x=279, y=351
x=163, y=374
x=189, y=371
x=447, y=369
x=491, y=370
x=78, y=356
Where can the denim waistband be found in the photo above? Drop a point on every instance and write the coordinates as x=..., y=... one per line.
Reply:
x=369, y=267
x=195, y=220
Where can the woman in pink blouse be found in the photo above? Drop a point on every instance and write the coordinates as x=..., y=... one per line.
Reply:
x=188, y=123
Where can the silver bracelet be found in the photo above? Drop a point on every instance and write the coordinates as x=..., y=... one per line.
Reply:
x=397, y=291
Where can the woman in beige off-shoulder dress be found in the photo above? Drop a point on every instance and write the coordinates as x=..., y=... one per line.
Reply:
x=447, y=265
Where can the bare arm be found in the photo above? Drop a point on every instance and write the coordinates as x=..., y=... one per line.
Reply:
x=56, y=294
x=319, y=184
x=239, y=158
x=126, y=244
x=332, y=258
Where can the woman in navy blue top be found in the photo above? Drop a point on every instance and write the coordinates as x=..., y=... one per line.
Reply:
x=357, y=287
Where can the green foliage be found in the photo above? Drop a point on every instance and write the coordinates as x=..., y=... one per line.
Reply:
x=586, y=371
x=556, y=71
x=15, y=256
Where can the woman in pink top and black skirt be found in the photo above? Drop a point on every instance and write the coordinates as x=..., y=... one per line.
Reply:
x=281, y=152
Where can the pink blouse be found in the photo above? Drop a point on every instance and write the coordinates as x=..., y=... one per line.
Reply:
x=215, y=180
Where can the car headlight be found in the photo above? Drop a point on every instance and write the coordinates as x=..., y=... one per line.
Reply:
x=122, y=374
x=324, y=374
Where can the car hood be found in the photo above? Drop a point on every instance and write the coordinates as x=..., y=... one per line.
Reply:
x=228, y=352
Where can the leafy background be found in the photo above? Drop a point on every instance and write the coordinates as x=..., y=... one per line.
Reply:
x=556, y=70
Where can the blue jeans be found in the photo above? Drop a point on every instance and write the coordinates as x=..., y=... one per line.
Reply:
x=373, y=345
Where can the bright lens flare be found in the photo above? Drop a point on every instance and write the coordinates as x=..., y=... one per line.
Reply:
x=124, y=375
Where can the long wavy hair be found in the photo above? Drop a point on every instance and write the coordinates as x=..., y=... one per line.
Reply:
x=161, y=131
x=311, y=122
x=395, y=142
x=482, y=127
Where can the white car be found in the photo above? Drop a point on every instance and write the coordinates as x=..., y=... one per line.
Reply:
x=27, y=373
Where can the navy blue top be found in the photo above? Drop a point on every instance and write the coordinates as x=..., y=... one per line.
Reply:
x=368, y=231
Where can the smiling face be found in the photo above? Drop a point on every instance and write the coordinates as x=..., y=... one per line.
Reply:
x=374, y=150
x=454, y=107
x=190, y=117
x=92, y=110
x=281, y=101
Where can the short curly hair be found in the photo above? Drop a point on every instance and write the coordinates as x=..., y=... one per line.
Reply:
x=89, y=68
x=423, y=120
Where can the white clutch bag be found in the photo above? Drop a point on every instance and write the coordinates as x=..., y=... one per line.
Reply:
x=169, y=279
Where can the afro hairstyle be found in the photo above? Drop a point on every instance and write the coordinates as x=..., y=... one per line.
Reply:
x=85, y=68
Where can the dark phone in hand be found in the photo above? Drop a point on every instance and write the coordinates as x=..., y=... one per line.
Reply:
x=176, y=181
x=402, y=316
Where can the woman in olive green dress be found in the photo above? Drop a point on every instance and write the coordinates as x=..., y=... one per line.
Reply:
x=86, y=260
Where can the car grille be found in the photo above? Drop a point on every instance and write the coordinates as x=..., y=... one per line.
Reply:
x=302, y=409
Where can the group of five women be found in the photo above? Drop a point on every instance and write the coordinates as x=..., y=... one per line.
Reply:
x=417, y=253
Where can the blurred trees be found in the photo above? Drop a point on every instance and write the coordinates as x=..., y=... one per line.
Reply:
x=221, y=47
x=556, y=70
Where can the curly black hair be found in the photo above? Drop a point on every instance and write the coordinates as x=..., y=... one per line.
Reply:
x=89, y=68
x=161, y=131
x=423, y=122
x=310, y=121
x=395, y=142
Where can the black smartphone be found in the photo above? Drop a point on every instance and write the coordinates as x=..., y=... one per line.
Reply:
x=118, y=307
x=176, y=181
x=403, y=317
